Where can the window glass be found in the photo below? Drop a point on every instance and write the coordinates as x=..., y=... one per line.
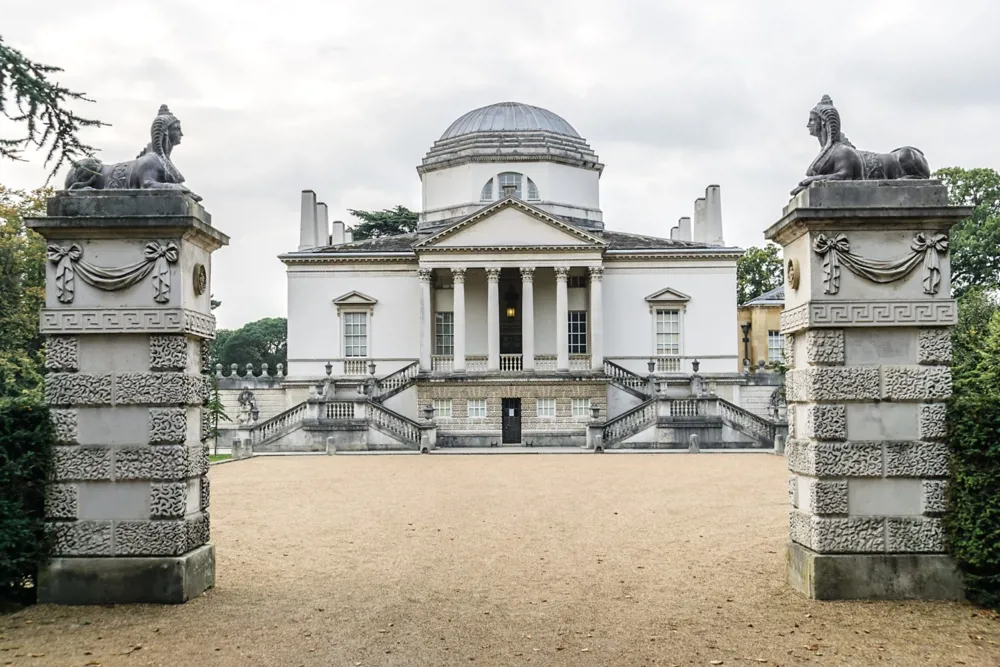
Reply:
x=668, y=332
x=577, y=332
x=545, y=407
x=442, y=408
x=581, y=407
x=355, y=334
x=477, y=407
x=444, y=333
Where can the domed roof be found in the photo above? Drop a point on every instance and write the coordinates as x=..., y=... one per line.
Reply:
x=509, y=117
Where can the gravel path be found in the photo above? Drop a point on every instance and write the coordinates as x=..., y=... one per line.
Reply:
x=613, y=560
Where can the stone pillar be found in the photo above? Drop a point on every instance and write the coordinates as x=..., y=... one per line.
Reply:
x=596, y=318
x=868, y=316
x=562, y=319
x=493, y=318
x=528, y=318
x=128, y=321
x=426, y=319
x=458, y=279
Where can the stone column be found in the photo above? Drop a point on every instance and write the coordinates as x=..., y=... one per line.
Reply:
x=493, y=318
x=868, y=316
x=458, y=279
x=596, y=318
x=528, y=318
x=562, y=319
x=426, y=319
x=128, y=321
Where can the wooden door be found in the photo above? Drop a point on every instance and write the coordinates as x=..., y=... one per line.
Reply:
x=511, y=420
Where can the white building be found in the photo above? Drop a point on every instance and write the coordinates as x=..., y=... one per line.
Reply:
x=513, y=309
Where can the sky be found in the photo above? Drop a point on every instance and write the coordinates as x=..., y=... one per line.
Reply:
x=345, y=98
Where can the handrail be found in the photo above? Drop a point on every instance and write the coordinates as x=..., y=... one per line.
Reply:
x=743, y=420
x=625, y=378
x=267, y=428
x=393, y=383
x=399, y=425
x=629, y=423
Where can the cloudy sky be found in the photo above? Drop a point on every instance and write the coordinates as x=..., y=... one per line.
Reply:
x=345, y=97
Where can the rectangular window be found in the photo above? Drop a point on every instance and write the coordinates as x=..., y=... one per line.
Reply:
x=355, y=334
x=581, y=407
x=668, y=332
x=775, y=347
x=545, y=407
x=444, y=333
x=477, y=408
x=442, y=408
x=578, y=332
x=576, y=281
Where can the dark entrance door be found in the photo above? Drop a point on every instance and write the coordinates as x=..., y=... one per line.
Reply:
x=511, y=420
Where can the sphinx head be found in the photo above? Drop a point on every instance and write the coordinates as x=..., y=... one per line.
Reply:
x=824, y=121
x=165, y=132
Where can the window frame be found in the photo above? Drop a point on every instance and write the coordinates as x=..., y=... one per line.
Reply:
x=580, y=347
x=480, y=402
x=439, y=403
x=444, y=339
x=347, y=314
x=486, y=194
x=545, y=401
x=575, y=403
x=656, y=310
x=775, y=335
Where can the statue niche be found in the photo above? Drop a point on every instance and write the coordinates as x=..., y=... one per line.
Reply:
x=151, y=169
x=839, y=160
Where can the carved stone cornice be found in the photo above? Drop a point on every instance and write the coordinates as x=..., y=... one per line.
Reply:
x=126, y=320
x=888, y=313
x=527, y=274
x=493, y=274
x=458, y=276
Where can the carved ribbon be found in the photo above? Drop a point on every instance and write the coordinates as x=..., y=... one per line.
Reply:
x=70, y=263
x=837, y=251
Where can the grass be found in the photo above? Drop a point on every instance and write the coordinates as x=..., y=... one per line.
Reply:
x=215, y=458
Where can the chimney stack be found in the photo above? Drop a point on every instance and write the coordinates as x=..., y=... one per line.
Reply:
x=713, y=215
x=307, y=225
x=337, y=234
x=322, y=224
x=348, y=236
x=685, y=229
x=698, y=225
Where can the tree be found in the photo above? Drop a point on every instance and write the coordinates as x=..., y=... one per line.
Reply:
x=387, y=222
x=22, y=292
x=757, y=271
x=975, y=242
x=39, y=104
x=263, y=341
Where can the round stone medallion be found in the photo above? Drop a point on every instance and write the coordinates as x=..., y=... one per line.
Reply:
x=200, y=279
x=793, y=273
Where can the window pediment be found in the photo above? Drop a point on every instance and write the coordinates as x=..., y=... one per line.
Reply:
x=668, y=297
x=355, y=298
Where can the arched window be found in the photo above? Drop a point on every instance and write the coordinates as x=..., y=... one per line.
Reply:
x=487, y=193
x=507, y=180
x=532, y=190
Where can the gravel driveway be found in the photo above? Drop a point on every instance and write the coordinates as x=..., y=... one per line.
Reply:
x=613, y=560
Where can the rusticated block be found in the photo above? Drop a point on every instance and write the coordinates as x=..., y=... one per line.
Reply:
x=81, y=538
x=933, y=424
x=916, y=535
x=61, y=501
x=64, y=420
x=828, y=497
x=934, y=346
x=197, y=461
x=835, y=459
x=62, y=353
x=916, y=459
x=150, y=538
x=159, y=388
x=799, y=528
x=826, y=422
x=836, y=534
x=168, y=353
x=78, y=389
x=935, y=500
x=154, y=463
x=916, y=383
x=198, y=531
x=793, y=490
x=168, y=500
x=206, y=487
x=81, y=463
x=167, y=426
x=838, y=383
x=825, y=347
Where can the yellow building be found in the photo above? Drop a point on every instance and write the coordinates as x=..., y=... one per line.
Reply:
x=759, y=329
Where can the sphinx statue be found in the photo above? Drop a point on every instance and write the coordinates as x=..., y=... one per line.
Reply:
x=839, y=160
x=151, y=169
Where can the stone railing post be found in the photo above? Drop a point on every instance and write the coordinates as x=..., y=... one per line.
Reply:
x=868, y=314
x=128, y=321
x=428, y=437
x=242, y=444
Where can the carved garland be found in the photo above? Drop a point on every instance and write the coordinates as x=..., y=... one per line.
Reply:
x=837, y=250
x=70, y=264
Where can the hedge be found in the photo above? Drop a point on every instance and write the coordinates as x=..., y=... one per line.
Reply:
x=26, y=442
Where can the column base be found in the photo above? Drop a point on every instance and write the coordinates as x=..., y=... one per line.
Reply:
x=873, y=576
x=143, y=580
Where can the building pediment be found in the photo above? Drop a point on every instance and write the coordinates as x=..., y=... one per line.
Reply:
x=510, y=224
x=668, y=297
x=355, y=298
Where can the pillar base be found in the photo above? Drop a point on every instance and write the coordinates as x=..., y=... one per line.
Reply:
x=873, y=576
x=146, y=580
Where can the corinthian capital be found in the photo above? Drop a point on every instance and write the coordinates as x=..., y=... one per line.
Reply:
x=596, y=273
x=562, y=272
x=424, y=275
x=458, y=276
x=527, y=274
x=493, y=274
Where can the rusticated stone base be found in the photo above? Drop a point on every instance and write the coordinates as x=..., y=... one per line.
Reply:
x=156, y=580
x=872, y=576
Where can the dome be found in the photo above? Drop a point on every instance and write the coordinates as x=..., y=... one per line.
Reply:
x=509, y=117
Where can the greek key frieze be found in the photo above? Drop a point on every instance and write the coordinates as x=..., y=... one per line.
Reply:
x=937, y=313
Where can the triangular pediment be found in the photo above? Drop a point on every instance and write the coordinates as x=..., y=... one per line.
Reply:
x=668, y=295
x=355, y=298
x=510, y=223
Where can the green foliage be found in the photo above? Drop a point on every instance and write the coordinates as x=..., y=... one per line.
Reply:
x=216, y=413
x=22, y=293
x=975, y=242
x=26, y=442
x=263, y=341
x=758, y=270
x=40, y=104
x=387, y=222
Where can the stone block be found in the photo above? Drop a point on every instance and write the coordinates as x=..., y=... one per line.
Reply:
x=168, y=353
x=825, y=347
x=150, y=538
x=885, y=497
x=916, y=535
x=159, y=389
x=152, y=463
x=935, y=496
x=837, y=535
x=799, y=527
x=60, y=501
x=828, y=497
x=81, y=463
x=793, y=490
x=168, y=500
x=64, y=420
x=100, y=501
x=118, y=352
x=81, y=538
x=167, y=426
x=78, y=389
x=197, y=461
x=877, y=346
x=826, y=422
x=916, y=383
x=206, y=487
x=62, y=353
x=882, y=421
x=198, y=530
x=113, y=426
x=934, y=346
x=835, y=459
x=933, y=424
x=833, y=384
x=916, y=459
